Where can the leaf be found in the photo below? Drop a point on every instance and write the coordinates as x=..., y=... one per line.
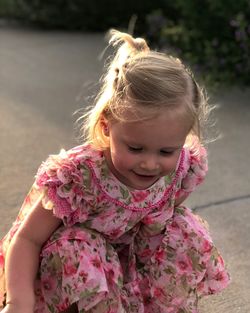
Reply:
x=170, y=270
x=124, y=193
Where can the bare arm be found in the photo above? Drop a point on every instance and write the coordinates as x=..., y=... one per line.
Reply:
x=23, y=257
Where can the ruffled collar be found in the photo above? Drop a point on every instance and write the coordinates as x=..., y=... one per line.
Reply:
x=121, y=195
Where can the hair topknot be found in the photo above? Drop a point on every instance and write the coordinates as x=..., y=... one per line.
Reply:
x=136, y=44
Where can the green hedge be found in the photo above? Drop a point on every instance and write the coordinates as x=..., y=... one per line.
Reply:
x=213, y=36
x=90, y=15
x=6, y=8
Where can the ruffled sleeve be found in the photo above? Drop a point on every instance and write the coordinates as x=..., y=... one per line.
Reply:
x=65, y=181
x=194, y=168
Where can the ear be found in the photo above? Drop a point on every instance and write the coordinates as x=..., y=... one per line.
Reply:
x=105, y=126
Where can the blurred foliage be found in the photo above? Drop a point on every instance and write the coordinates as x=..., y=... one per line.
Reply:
x=211, y=36
x=90, y=15
x=7, y=7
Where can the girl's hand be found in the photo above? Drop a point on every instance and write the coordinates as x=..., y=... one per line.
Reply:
x=17, y=308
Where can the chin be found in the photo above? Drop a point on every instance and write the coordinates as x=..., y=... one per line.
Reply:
x=141, y=186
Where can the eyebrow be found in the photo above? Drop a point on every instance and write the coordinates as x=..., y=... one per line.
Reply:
x=172, y=148
x=131, y=143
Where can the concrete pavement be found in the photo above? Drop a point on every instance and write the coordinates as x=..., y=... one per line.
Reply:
x=46, y=76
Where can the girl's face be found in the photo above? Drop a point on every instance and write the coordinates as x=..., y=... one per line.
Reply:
x=141, y=152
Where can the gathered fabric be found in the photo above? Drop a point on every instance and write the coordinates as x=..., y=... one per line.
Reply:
x=120, y=250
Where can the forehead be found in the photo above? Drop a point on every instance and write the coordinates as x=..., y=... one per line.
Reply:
x=162, y=129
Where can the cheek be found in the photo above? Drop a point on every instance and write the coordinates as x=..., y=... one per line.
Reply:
x=122, y=160
x=170, y=164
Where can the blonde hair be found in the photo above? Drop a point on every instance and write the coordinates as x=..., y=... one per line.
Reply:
x=142, y=81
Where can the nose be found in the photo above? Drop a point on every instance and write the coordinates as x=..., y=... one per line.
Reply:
x=150, y=163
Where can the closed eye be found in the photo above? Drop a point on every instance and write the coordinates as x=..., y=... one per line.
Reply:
x=135, y=149
x=166, y=152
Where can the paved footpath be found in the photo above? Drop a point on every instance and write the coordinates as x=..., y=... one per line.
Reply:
x=46, y=76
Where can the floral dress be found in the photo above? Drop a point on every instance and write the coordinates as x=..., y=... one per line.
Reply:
x=120, y=250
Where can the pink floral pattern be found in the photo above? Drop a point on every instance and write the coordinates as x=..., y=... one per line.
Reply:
x=120, y=250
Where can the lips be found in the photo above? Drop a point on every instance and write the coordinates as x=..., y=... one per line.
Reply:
x=145, y=176
x=143, y=181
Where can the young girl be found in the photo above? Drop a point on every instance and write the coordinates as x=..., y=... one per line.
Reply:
x=103, y=229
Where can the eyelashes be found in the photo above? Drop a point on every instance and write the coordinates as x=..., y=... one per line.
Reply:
x=140, y=149
x=164, y=152
x=135, y=149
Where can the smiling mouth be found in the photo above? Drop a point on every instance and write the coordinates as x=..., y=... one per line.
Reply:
x=145, y=176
